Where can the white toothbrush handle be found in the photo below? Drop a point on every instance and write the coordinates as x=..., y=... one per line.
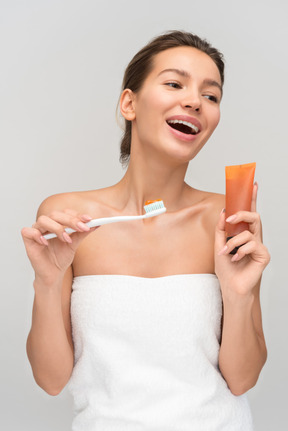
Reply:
x=107, y=220
x=99, y=222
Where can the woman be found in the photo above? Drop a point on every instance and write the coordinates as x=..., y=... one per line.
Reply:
x=151, y=348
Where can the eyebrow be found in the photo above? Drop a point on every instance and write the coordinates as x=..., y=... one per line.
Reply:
x=185, y=74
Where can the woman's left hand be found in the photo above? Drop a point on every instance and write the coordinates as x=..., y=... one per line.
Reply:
x=241, y=272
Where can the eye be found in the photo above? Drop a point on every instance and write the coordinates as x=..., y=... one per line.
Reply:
x=173, y=84
x=212, y=98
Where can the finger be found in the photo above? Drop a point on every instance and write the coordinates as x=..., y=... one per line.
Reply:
x=45, y=224
x=258, y=252
x=254, y=197
x=31, y=234
x=68, y=220
x=220, y=234
x=83, y=217
x=252, y=218
x=57, y=222
x=236, y=241
x=243, y=251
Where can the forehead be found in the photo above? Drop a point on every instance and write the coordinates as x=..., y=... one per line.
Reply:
x=192, y=60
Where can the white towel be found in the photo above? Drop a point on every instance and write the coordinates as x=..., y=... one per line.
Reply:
x=146, y=356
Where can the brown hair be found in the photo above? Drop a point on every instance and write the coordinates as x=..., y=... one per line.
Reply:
x=141, y=64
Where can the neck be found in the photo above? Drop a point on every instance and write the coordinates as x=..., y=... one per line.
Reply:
x=151, y=179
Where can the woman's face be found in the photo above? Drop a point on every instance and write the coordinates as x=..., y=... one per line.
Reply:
x=178, y=106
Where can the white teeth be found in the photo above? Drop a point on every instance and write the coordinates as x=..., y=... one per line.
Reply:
x=192, y=126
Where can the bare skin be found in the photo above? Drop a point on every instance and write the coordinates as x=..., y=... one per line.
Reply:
x=189, y=238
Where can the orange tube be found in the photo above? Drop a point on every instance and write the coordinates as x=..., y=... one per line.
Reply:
x=239, y=188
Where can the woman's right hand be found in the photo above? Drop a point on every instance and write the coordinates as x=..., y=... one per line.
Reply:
x=50, y=259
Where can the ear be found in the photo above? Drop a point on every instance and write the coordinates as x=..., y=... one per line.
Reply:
x=126, y=104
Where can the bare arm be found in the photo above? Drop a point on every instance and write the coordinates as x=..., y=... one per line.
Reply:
x=49, y=344
x=243, y=350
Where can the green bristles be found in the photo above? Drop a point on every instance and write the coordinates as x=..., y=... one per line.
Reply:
x=154, y=206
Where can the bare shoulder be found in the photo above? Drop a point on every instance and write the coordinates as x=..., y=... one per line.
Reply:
x=85, y=202
x=214, y=203
x=209, y=201
x=208, y=206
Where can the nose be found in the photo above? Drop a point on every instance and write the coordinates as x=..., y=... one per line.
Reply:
x=192, y=101
x=193, y=107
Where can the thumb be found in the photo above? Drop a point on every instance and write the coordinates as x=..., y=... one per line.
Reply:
x=220, y=234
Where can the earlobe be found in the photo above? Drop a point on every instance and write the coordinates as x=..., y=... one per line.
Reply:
x=126, y=104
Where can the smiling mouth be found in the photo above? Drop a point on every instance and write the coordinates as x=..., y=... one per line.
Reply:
x=183, y=127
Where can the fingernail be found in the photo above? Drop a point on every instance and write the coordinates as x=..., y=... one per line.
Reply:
x=67, y=237
x=223, y=211
x=225, y=248
x=83, y=226
x=86, y=217
x=231, y=218
x=43, y=240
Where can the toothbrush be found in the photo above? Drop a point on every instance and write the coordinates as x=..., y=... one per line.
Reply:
x=152, y=209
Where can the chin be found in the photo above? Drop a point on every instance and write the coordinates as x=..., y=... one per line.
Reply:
x=184, y=155
x=180, y=158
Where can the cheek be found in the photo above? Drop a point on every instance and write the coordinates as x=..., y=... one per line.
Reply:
x=151, y=111
x=155, y=100
x=145, y=109
x=214, y=119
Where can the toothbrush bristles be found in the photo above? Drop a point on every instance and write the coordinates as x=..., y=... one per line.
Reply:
x=154, y=205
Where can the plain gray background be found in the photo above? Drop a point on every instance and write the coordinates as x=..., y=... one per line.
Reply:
x=62, y=64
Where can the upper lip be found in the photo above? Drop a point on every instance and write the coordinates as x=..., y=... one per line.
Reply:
x=186, y=118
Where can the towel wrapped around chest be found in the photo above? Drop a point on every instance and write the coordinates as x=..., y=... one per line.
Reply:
x=146, y=356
